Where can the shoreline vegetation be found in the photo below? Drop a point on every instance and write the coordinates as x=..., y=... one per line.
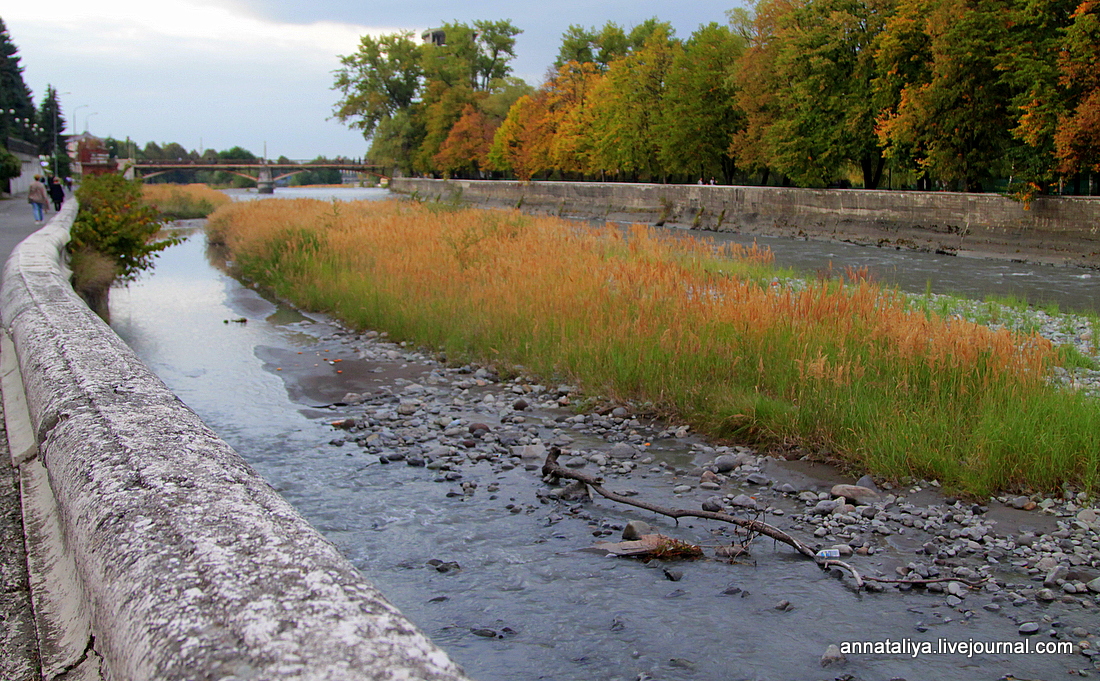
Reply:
x=716, y=338
x=118, y=231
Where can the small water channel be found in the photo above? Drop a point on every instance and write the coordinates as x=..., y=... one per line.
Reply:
x=557, y=611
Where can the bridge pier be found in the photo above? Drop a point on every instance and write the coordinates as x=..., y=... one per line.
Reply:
x=265, y=183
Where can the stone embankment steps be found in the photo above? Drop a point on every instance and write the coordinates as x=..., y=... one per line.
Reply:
x=155, y=551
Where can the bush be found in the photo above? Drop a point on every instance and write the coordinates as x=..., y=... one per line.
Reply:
x=115, y=221
x=183, y=202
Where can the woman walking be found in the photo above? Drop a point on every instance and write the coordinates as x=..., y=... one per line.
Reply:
x=57, y=193
x=37, y=197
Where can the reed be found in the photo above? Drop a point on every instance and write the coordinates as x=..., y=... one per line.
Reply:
x=844, y=368
x=183, y=201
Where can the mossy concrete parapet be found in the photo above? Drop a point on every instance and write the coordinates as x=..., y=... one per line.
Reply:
x=1051, y=229
x=187, y=565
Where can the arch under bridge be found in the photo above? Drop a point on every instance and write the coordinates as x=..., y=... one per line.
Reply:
x=265, y=174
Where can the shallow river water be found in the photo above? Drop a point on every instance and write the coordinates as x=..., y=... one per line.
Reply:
x=558, y=611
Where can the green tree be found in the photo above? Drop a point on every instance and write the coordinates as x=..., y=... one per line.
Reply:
x=115, y=221
x=603, y=46
x=825, y=103
x=10, y=166
x=380, y=79
x=397, y=138
x=699, y=112
x=151, y=152
x=472, y=57
x=16, y=105
x=52, y=124
x=237, y=154
x=627, y=109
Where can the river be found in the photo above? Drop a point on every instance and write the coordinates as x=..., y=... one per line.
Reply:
x=556, y=611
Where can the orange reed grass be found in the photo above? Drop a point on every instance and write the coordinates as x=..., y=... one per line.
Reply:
x=698, y=330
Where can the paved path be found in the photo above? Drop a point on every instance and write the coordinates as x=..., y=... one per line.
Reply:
x=18, y=642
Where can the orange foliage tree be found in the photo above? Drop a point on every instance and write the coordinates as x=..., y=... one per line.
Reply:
x=466, y=149
x=1078, y=137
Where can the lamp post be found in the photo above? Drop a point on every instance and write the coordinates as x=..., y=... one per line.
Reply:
x=82, y=106
x=94, y=113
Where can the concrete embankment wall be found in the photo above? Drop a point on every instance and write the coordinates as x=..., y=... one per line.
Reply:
x=1051, y=229
x=155, y=551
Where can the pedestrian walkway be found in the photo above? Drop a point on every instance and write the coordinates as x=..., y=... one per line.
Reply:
x=18, y=640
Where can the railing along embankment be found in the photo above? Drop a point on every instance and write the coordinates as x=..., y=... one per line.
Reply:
x=155, y=551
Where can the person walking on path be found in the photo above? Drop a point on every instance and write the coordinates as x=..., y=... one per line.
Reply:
x=57, y=193
x=38, y=199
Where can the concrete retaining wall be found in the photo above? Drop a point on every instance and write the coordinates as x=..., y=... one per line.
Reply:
x=156, y=551
x=1052, y=229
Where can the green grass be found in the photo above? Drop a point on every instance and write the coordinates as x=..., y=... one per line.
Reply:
x=883, y=382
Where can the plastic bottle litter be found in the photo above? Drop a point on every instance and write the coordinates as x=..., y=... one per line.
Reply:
x=828, y=553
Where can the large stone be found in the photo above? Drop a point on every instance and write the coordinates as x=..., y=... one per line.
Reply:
x=860, y=496
x=832, y=656
x=725, y=463
x=713, y=504
x=529, y=452
x=635, y=529
x=1094, y=586
x=621, y=450
x=1055, y=573
x=743, y=501
x=825, y=507
x=868, y=482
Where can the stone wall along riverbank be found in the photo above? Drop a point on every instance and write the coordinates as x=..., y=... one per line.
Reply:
x=155, y=551
x=1057, y=230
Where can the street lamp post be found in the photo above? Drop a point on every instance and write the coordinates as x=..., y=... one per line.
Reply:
x=94, y=113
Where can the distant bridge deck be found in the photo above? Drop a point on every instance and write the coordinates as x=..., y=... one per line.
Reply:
x=266, y=174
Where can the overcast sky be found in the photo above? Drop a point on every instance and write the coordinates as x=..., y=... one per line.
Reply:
x=220, y=73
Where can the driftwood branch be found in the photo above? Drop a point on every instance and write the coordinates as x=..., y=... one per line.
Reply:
x=551, y=468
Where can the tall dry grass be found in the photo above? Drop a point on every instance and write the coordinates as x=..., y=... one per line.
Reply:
x=183, y=201
x=839, y=368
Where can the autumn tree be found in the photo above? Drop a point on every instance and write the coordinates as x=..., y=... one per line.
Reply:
x=756, y=83
x=522, y=144
x=1078, y=138
x=466, y=148
x=570, y=105
x=952, y=114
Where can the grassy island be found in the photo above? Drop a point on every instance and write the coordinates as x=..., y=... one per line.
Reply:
x=712, y=337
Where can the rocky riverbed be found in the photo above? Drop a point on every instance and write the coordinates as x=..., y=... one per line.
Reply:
x=428, y=477
x=1030, y=561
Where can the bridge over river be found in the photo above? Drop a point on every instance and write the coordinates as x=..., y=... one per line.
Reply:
x=265, y=173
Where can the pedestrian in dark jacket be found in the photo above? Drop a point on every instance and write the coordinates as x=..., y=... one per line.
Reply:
x=57, y=193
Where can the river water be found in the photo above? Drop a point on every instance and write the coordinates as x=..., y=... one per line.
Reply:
x=561, y=612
